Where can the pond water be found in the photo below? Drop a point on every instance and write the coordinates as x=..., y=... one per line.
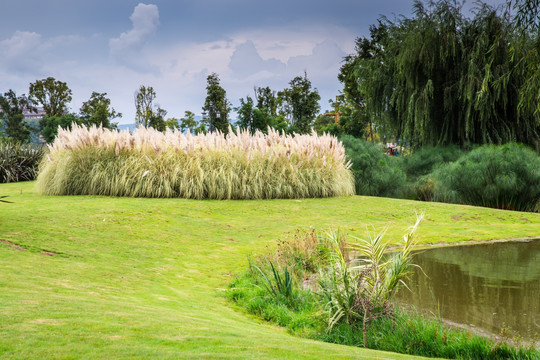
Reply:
x=488, y=287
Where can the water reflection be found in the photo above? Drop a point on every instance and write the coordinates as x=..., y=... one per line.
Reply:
x=486, y=286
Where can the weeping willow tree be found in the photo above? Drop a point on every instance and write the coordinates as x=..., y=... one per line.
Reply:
x=442, y=78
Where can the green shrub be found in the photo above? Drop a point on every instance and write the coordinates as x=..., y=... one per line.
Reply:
x=375, y=173
x=420, y=165
x=349, y=294
x=498, y=176
x=416, y=335
x=19, y=162
x=149, y=163
x=425, y=160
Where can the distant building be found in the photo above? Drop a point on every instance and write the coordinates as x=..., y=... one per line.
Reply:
x=34, y=115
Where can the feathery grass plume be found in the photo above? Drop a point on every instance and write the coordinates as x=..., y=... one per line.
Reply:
x=149, y=163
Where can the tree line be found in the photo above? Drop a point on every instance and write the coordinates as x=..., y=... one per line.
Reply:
x=291, y=110
x=435, y=78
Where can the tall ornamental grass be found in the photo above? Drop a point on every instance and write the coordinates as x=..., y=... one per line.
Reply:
x=19, y=162
x=149, y=163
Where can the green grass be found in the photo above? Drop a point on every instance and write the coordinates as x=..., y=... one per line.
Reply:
x=104, y=277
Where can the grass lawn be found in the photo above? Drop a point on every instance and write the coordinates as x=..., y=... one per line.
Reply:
x=101, y=277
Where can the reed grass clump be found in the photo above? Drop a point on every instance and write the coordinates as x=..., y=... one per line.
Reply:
x=149, y=163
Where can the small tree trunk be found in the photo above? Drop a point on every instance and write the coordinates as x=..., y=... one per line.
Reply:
x=364, y=330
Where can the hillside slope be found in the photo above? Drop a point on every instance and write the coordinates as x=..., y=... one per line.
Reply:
x=103, y=277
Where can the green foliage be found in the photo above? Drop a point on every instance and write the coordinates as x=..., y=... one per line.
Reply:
x=266, y=100
x=19, y=162
x=416, y=335
x=353, y=297
x=359, y=291
x=527, y=13
x=157, y=119
x=301, y=103
x=216, y=105
x=376, y=174
x=147, y=113
x=277, y=284
x=298, y=313
x=188, y=122
x=98, y=111
x=253, y=117
x=12, y=118
x=325, y=124
x=425, y=160
x=503, y=177
x=441, y=78
x=50, y=125
x=420, y=166
x=53, y=94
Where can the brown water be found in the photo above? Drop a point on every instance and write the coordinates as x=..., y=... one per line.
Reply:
x=488, y=287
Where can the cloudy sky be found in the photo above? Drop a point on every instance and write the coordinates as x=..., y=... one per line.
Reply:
x=114, y=46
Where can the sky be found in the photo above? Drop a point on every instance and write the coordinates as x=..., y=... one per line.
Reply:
x=115, y=46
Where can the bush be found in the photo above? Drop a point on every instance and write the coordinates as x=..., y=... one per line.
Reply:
x=420, y=165
x=375, y=173
x=426, y=159
x=149, y=163
x=336, y=298
x=416, y=335
x=498, y=176
x=19, y=162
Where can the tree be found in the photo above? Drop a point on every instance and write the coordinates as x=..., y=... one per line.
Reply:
x=216, y=105
x=442, y=78
x=98, y=111
x=49, y=125
x=144, y=105
x=301, y=103
x=266, y=100
x=188, y=122
x=245, y=114
x=527, y=13
x=53, y=94
x=172, y=123
x=355, y=102
x=149, y=114
x=157, y=119
x=11, y=112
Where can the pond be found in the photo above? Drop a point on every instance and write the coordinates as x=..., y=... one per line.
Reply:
x=491, y=288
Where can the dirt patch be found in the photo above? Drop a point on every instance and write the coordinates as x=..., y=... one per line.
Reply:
x=46, y=321
x=13, y=245
x=18, y=247
x=48, y=253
